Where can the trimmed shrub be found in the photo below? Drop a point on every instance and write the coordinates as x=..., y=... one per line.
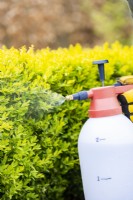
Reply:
x=38, y=138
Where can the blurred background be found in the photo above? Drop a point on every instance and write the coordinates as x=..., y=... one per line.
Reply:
x=59, y=23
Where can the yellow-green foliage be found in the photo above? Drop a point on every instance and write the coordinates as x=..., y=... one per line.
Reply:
x=38, y=149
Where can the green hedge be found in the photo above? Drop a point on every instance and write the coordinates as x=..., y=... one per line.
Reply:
x=38, y=138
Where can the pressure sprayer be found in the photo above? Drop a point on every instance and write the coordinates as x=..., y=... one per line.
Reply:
x=105, y=144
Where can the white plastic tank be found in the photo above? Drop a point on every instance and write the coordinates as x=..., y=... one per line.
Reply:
x=105, y=148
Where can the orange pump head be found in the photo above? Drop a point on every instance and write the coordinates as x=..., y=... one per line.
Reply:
x=104, y=100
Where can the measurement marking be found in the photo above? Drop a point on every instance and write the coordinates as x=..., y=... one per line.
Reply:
x=100, y=139
x=103, y=179
x=98, y=178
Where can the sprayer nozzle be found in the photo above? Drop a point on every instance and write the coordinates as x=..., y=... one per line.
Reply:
x=69, y=97
x=78, y=96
